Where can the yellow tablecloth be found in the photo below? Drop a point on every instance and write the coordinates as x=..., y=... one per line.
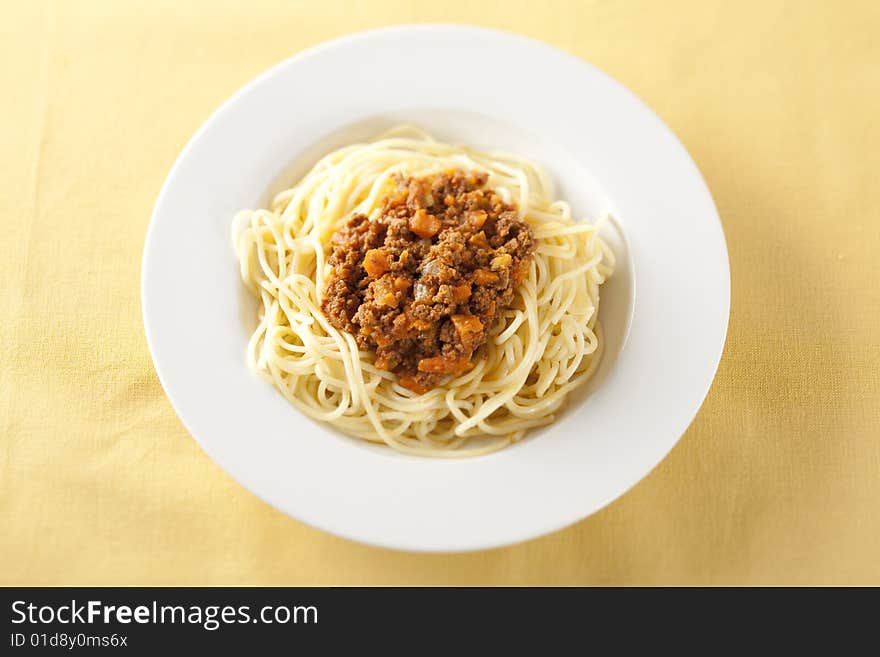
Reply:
x=778, y=479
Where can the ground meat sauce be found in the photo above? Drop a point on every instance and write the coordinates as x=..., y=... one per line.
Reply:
x=422, y=283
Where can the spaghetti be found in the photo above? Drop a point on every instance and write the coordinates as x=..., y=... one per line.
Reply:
x=539, y=348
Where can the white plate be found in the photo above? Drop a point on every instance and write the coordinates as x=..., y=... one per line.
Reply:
x=605, y=151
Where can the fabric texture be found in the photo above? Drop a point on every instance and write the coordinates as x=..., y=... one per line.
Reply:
x=776, y=481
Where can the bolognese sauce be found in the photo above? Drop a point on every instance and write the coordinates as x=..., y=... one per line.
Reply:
x=422, y=283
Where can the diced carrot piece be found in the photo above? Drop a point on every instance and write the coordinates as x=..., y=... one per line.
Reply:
x=485, y=277
x=424, y=225
x=386, y=299
x=376, y=262
x=461, y=292
x=519, y=273
x=401, y=283
x=444, y=365
x=411, y=382
x=400, y=326
x=479, y=240
x=478, y=218
x=468, y=328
